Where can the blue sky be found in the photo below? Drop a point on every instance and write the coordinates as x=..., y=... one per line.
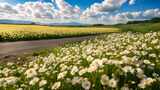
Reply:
x=139, y=5
x=83, y=11
x=142, y=5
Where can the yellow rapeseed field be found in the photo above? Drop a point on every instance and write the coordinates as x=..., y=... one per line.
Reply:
x=37, y=32
x=50, y=29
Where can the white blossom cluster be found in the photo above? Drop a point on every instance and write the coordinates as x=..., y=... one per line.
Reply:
x=122, y=61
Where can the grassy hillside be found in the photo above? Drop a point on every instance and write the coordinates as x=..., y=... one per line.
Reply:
x=140, y=27
x=136, y=26
x=153, y=20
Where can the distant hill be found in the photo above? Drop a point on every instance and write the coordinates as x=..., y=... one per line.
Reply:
x=60, y=24
x=6, y=21
x=153, y=20
x=21, y=22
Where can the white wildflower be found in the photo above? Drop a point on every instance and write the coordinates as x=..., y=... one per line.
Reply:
x=104, y=80
x=86, y=84
x=146, y=82
x=41, y=89
x=153, y=55
x=62, y=75
x=90, y=58
x=56, y=85
x=83, y=71
x=19, y=89
x=92, y=68
x=42, y=83
x=155, y=41
x=31, y=73
x=42, y=70
x=11, y=80
x=140, y=73
x=128, y=69
x=74, y=70
x=147, y=62
x=34, y=81
x=76, y=80
x=112, y=83
x=125, y=88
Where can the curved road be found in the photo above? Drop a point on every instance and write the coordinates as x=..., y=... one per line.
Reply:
x=23, y=47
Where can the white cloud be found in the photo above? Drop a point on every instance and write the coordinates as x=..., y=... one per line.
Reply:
x=105, y=6
x=110, y=18
x=152, y=13
x=39, y=10
x=36, y=10
x=105, y=12
x=139, y=15
x=7, y=8
x=27, y=10
x=65, y=10
x=127, y=16
x=131, y=2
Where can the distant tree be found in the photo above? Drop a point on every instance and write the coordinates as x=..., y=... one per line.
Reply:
x=156, y=19
x=98, y=25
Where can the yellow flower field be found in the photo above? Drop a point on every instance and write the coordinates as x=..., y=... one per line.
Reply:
x=35, y=32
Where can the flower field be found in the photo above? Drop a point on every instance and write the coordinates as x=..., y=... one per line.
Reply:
x=117, y=61
x=35, y=32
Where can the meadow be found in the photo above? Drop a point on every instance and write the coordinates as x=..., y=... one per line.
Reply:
x=140, y=27
x=116, y=61
x=36, y=32
x=10, y=32
x=126, y=59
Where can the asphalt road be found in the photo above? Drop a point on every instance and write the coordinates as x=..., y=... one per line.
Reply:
x=23, y=47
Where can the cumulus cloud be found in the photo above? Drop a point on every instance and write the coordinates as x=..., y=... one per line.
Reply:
x=152, y=13
x=138, y=15
x=123, y=17
x=106, y=12
x=7, y=8
x=27, y=10
x=131, y=2
x=41, y=10
x=36, y=10
x=65, y=10
x=105, y=6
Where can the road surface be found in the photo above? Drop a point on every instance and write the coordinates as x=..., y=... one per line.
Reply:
x=23, y=47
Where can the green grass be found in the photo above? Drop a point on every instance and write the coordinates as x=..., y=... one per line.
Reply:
x=141, y=27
